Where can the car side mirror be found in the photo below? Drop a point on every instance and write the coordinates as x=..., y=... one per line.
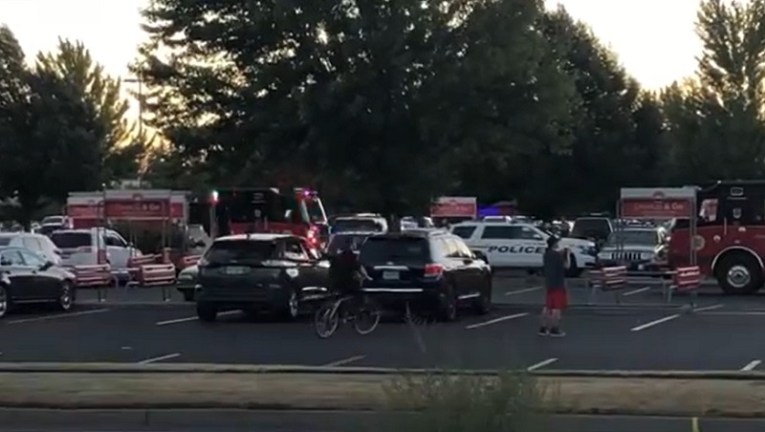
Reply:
x=200, y=243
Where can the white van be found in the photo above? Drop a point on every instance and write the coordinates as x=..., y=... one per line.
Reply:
x=81, y=246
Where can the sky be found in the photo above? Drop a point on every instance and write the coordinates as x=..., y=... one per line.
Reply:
x=654, y=39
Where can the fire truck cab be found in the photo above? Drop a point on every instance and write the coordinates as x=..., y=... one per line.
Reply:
x=730, y=235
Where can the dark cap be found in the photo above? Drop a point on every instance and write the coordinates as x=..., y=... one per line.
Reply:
x=552, y=241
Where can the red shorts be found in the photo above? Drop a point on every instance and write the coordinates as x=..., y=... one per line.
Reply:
x=556, y=299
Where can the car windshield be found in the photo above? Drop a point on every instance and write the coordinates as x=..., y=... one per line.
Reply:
x=394, y=249
x=633, y=237
x=238, y=251
x=70, y=240
x=338, y=243
x=356, y=224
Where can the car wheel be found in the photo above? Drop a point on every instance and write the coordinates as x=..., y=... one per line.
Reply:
x=739, y=273
x=207, y=312
x=5, y=301
x=188, y=296
x=448, y=304
x=66, y=297
x=482, y=304
x=291, y=310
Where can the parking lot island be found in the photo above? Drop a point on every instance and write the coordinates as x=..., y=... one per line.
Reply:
x=234, y=387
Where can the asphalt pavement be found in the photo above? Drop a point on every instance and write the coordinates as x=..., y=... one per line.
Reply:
x=718, y=336
x=15, y=420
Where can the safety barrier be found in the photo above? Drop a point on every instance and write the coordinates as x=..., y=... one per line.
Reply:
x=98, y=276
x=188, y=261
x=686, y=280
x=156, y=275
x=607, y=279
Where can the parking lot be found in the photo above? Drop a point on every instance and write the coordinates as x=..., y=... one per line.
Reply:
x=640, y=334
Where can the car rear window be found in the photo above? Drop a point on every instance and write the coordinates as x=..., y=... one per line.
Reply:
x=69, y=240
x=344, y=225
x=5, y=241
x=591, y=227
x=240, y=251
x=394, y=249
x=339, y=243
x=464, y=232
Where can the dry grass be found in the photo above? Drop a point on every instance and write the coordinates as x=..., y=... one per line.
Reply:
x=328, y=391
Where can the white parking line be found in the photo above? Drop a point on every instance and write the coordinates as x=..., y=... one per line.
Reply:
x=57, y=316
x=655, y=322
x=160, y=358
x=525, y=290
x=541, y=364
x=496, y=320
x=734, y=313
x=345, y=361
x=709, y=308
x=187, y=319
x=751, y=365
x=637, y=291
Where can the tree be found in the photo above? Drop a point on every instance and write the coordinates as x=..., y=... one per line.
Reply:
x=50, y=137
x=72, y=62
x=716, y=120
x=617, y=124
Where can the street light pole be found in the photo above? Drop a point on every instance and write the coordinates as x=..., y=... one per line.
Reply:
x=139, y=81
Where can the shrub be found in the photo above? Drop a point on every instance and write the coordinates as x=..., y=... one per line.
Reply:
x=446, y=401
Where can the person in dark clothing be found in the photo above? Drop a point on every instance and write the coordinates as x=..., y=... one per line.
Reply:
x=554, y=267
x=347, y=275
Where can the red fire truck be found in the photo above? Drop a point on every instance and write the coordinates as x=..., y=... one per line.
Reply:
x=249, y=210
x=729, y=238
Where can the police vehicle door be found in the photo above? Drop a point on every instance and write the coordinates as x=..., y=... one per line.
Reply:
x=505, y=247
x=534, y=245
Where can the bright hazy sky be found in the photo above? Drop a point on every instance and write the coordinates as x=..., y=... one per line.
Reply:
x=654, y=38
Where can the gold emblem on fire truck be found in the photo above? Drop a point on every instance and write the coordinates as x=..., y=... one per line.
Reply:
x=698, y=242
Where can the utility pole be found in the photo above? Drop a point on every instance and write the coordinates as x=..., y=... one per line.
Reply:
x=138, y=80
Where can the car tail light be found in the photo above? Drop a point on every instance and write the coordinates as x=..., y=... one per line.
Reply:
x=433, y=270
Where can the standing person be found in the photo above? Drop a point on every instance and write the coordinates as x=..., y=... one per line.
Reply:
x=554, y=267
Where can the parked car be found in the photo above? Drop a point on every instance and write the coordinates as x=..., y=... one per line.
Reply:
x=37, y=243
x=594, y=228
x=187, y=283
x=635, y=248
x=432, y=270
x=367, y=222
x=81, y=246
x=343, y=240
x=25, y=277
x=256, y=272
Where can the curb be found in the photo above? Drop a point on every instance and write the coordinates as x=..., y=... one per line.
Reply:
x=186, y=368
x=118, y=303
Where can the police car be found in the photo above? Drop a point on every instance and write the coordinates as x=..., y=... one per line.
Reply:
x=521, y=245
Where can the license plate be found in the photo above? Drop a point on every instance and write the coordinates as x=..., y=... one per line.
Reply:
x=236, y=270
x=390, y=275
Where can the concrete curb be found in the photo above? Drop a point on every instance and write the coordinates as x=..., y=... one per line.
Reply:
x=297, y=369
x=128, y=304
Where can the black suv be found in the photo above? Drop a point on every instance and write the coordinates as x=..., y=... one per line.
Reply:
x=430, y=269
x=253, y=272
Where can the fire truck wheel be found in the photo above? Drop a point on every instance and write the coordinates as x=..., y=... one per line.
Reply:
x=739, y=273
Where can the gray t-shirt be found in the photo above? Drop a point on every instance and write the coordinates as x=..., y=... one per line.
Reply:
x=554, y=268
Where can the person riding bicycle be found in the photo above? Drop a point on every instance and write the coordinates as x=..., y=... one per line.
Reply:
x=347, y=275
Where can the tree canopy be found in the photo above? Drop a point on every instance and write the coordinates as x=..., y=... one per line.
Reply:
x=383, y=105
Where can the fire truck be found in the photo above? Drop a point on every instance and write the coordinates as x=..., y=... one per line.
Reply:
x=249, y=210
x=729, y=238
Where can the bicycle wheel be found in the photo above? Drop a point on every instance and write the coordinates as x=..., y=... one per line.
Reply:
x=326, y=320
x=367, y=318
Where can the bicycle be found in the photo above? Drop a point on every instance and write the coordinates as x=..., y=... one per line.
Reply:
x=328, y=317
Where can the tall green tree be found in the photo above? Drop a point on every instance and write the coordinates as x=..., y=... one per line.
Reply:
x=50, y=137
x=618, y=129
x=72, y=62
x=716, y=121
